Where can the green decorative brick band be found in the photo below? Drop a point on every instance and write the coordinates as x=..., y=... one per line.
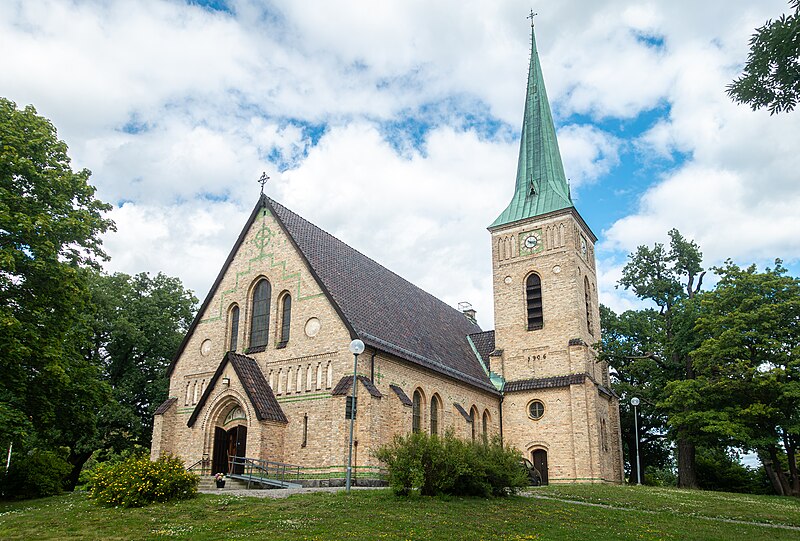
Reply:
x=262, y=239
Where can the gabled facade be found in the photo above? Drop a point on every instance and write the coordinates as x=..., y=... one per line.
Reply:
x=264, y=371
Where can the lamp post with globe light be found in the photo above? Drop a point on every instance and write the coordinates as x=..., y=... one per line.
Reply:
x=634, y=403
x=356, y=348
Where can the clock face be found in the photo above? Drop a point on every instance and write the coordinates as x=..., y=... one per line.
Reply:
x=583, y=247
x=530, y=242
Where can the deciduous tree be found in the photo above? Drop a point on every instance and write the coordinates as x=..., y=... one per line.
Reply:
x=771, y=75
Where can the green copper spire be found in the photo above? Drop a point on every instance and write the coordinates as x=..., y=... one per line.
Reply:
x=541, y=184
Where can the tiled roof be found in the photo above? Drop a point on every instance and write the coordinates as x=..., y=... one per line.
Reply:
x=345, y=386
x=463, y=412
x=484, y=344
x=256, y=387
x=384, y=310
x=401, y=395
x=162, y=409
x=544, y=383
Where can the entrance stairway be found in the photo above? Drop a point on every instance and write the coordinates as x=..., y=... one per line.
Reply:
x=207, y=483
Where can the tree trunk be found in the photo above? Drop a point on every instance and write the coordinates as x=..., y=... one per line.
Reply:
x=687, y=475
x=792, y=458
x=77, y=460
x=771, y=473
x=779, y=473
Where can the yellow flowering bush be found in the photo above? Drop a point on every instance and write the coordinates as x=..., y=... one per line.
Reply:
x=137, y=481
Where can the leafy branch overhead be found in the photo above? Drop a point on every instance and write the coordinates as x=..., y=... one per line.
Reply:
x=771, y=76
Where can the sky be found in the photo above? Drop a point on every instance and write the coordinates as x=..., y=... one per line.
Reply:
x=395, y=125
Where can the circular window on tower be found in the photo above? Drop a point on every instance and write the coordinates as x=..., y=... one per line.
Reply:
x=536, y=409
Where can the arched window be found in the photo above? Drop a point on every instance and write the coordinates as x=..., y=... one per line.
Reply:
x=286, y=319
x=473, y=417
x=533, y=296
x=485, y=426
x=416, y=421
x=234, y=336
x=588, y=305
x=259, y=326
x=435, y=415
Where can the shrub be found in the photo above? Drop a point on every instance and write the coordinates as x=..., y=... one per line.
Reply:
x=137, y=481
x=433, y=465
x=36, y=474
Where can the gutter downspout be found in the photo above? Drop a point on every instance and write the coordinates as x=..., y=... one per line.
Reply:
x=501, y=419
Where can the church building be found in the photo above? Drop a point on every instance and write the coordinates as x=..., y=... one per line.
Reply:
x=265, y=372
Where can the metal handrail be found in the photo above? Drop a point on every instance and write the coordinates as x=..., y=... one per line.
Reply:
x=205, y=466
x=254, y=469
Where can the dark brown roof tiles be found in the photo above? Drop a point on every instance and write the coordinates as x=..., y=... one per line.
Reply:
x=164, y=407
x=544, y=383
x=401, y=395
x=256, y=387
x=345, y=386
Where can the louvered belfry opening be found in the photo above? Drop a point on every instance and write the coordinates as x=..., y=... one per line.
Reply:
x=533, y=295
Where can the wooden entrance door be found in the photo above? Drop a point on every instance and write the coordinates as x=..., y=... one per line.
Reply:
x=219, y=462
x=236, y=446
x=540, y=463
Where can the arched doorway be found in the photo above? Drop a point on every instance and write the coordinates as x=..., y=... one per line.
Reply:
x=228, y=444
x=539, y=457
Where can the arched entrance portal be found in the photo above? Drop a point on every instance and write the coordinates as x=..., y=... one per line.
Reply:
x=228, y=444
x=540, y=464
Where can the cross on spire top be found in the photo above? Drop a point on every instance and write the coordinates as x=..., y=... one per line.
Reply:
x=531, y=16
x=263, y=180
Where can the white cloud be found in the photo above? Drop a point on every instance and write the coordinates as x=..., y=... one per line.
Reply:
x=216, y=98
x=587, y=152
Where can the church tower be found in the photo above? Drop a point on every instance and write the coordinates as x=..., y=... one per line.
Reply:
x=558, y=407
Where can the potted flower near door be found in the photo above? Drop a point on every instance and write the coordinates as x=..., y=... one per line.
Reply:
x=220, y=479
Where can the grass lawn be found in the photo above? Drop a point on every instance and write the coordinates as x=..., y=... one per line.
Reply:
x=650, y=514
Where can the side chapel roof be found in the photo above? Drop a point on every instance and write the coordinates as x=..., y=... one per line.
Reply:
x=255, y=386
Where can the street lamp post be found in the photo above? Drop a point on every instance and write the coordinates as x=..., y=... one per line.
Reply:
x=634, y=403
x=356, y=347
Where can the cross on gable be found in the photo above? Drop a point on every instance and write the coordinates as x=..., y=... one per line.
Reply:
x=263, y=180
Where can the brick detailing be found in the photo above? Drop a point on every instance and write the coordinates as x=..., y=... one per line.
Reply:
x=401, y=395
x=345, y=385
x=258, y=391
x=544, y=383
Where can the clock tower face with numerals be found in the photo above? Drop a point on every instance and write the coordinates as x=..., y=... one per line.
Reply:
x=530, y=242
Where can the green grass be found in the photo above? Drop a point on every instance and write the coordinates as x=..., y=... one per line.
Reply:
x=370, y=515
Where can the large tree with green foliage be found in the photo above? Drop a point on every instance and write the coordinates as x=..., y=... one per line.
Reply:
x=747, y=387
x=50, y=227
x=138, y=324
x=670, y=278
x=771, y=75
x=631, y=343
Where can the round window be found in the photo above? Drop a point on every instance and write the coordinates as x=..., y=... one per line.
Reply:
x=536, y=409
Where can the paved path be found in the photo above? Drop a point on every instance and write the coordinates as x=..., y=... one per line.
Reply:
x=276, y=492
